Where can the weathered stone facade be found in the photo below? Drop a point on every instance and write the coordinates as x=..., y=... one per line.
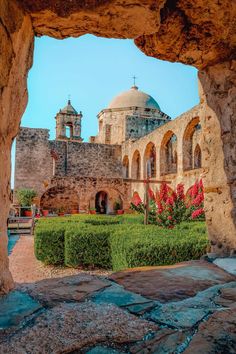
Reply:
x=70, y=174
x=172, y=163
x=130, y=115
x=193, y=32
x=39, y=161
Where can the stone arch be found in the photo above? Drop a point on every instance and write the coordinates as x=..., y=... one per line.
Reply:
x=149, y=161
x=168, y=153
x=197, y=156
x=125, y=167
x=190, y=140
x=113, y=195
x=101, y=202
x=136, y=165
x=60, y=198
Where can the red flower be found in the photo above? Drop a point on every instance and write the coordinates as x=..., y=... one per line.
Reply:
x=170, y=201
x=198, y=200
x=136, y=200
x=194, y=189
x=169, y=217
x=151, y=194
x=164, y=192
x=180, y=191
x=197, y=213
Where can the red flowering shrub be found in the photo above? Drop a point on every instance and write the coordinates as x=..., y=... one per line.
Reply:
x=168, y=207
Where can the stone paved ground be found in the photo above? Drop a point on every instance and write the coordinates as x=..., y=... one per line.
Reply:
x=187, y=308
x=32, y=270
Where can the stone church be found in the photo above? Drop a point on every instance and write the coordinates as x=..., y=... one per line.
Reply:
x=135, y=140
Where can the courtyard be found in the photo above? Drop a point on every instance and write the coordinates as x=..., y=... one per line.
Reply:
x=180, y=308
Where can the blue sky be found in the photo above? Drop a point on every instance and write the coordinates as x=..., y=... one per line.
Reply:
x=92, y=71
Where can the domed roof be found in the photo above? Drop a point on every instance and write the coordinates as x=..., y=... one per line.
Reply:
x=69, y=109
x=134, y=98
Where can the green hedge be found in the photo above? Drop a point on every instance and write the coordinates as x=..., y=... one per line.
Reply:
x=49, y=244
x=149, y=246
x=88, y=246
x=116, y=243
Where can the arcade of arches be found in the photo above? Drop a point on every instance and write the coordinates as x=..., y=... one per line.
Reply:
x=175, y=31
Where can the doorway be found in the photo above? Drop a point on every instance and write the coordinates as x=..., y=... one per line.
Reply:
x=101, y=202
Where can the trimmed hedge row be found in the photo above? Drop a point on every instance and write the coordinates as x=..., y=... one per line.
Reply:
x=88, y=246
x=148, y=246
x=49, y=244
x=107, y=244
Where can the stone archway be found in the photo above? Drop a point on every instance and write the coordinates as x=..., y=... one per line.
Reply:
x=192, y=129
x=149, y=161
x=105, y=199
x=101, y=202
x=136, y=165
x=168, y=154
x=174, y=31
x=197, y=157
x=60, y=198
x=125, y=167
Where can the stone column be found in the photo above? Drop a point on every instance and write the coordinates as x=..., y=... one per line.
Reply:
x=15, y=60
x=218, y=98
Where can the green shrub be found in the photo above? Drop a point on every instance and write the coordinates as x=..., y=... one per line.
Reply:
x=88, y=246
x=25, y=197
x=149, y=246
x=116, y=242
x=105, y=221
x=49, y=244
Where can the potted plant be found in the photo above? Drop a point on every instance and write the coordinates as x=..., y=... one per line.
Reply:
x=45, y=212
x=117, y=207
x=61, y=211
x=74, y=211
x=25, y=198
x=92, y=211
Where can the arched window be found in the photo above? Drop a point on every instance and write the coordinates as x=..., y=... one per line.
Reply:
x=169, y=158
x=54, y=161
x=190, y=140
x=126, y=167
x=149, y=161
x=135, y=168
x=197, y=157
x=69, y=130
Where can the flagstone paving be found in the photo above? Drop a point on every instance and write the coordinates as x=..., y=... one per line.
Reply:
x=187, y=308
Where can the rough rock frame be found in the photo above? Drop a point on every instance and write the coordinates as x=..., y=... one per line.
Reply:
x=189, y=31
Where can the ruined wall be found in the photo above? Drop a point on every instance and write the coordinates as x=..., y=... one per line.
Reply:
x=218, y=95
x=38, y=160
x=84, y=190
x=85, y=159
x=33, y=161
x=16, y=48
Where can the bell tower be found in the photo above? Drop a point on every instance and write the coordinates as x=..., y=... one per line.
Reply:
x=68, y=124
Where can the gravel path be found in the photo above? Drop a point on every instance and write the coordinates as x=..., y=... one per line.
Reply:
x=25, y=268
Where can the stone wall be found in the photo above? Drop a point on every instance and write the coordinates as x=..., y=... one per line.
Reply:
x=132, y=123
x=33, y=161
x=84, y=190
x=38, y=160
